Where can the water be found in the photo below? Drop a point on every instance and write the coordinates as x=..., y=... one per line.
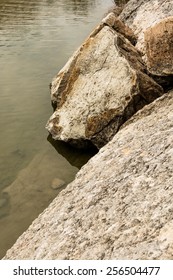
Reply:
x=36, y=39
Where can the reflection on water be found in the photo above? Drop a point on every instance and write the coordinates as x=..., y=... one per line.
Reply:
x=36, y=39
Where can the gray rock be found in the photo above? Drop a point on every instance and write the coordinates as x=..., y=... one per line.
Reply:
x=120, y=204
x=100, y=87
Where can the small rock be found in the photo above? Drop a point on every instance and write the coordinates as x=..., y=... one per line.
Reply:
x=57, y=184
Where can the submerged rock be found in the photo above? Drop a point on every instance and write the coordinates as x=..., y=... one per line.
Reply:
x=57, y=183
x=100, y=87
x=120, y=204
x=30, y=193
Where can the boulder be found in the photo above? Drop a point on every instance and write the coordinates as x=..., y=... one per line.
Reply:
x=139, y=15
x=101, y=86
x=159, y=48
x=120, y=204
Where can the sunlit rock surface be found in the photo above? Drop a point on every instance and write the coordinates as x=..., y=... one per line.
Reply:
x=101, y=86
x=120, y=204
x=142, y=14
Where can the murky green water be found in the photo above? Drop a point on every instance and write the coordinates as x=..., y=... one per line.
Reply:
x=36, y=39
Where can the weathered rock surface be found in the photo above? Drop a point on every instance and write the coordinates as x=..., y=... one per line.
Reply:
x=101, y=86
x=120, y=204
x=159, y=48
x=142, y=14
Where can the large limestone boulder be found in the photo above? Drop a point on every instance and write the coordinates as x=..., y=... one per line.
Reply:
x=139, y=15
x=120, y=204
x=100, y=87
x=159, y=48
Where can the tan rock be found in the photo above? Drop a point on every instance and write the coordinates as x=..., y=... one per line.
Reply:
x=57, y=183
x=159, y=48
x=140, y=15
x=120, y=204
x=100, y=87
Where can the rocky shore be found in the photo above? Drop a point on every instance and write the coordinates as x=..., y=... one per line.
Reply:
x=115, y=92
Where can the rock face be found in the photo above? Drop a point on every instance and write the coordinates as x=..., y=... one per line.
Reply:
x=120, y=204
x=100, y=87
x=159, y=48
x=142, y=14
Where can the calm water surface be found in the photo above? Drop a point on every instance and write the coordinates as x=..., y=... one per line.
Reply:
x=36, y=39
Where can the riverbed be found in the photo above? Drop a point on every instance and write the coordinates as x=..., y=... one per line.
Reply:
x=36, y=40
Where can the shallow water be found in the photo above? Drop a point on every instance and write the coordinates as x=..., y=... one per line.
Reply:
x=36, y=39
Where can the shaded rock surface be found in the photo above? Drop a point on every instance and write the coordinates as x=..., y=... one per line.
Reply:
x=101, y=86
x=159, y=48
x=120, y=204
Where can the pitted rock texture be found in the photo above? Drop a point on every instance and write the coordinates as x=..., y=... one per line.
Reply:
x=159, y=48
x=120, y=204
x=100, y=87
x=142, y=14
